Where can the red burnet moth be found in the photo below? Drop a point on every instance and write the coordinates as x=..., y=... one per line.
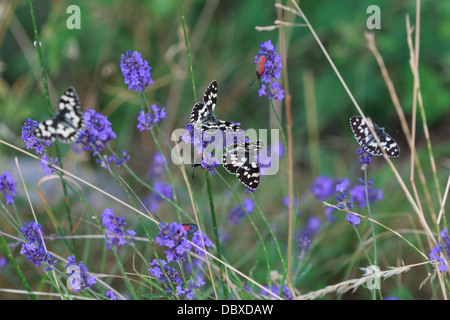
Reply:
x=260, y=66
x=189, y=227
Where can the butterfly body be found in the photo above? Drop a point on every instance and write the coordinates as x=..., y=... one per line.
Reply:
x=240, y=159
x=367, y=140
x=66, y=124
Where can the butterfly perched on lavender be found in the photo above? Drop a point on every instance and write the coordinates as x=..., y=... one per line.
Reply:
x=240, y=159
x=66, y=124
x=367, y=141
x=202, y=114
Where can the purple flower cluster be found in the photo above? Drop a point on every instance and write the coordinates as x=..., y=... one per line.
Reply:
x=8, y=187
x=237, y=213
x=200, y=141
x=97, y=132
x=172, y=279
x=173, y=236
x=33, y=249
x=30, y=140
x=111, y=295
x=47, y=165
x=286, y=293
x=146, y=121
x=358, y=193
x=197, y=240
x=306, y=235
x=272, y=71
x=274, y=153
x=441, y=253
x=136, y=71
x=106, y=161
x=162, y=189
x=115, y=229
x=85, y=280
x=324, y=187
x=365, y=158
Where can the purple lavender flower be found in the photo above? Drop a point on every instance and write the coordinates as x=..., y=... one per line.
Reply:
x=3, y=263
x=115, y=229
x=173, y=236
x=197, y=240
x=238, y=212
x=358, y=194
x=200, y=140
x=272, y=91
x=120, y=162
x=365, y=158
x=32, y=232
x=343, y=202
x=8, y=187
x=353, y=219
x=146, y=121
x=172, y=279
x=97, y=132
x=38, y=255
x=111, y=295
x=313, y=225
x=306, y=235
x=272, y=71
x=136, y=71
x=30, y=140
x=33, y=249
x=273, y=66
x=286, y=293
x=323, y=187
x=47, y=165
x=441, y=252
x=157, y=169
x=85, y=280
x=209, y=162
x=105, y=161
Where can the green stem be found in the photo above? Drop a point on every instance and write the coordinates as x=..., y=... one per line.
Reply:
x=375, y=260
x=47, y=96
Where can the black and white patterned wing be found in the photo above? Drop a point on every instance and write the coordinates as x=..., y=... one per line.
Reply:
x=235, y=156
x=240, y=159
x=67, y=123
x=202, y=114
x=198, y=114
x=249, y=174
x=366, y=139
x=227, y=126
x=210, y=97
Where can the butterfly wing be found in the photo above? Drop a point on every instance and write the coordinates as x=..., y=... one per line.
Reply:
x=248, y=174
x=366, y=139
x=210, y=96
x=67, y=123
x=71, y=119
x=240, y=159
x=234, y=157
x=189, y=227
x=199, y=112
x=46, y=130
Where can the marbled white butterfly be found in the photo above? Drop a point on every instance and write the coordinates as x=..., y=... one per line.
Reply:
x=67, y=123
x=366, y=139
x=202, y=114
x=240, y=159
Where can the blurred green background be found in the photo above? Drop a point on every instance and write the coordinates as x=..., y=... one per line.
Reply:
x=223, y=42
